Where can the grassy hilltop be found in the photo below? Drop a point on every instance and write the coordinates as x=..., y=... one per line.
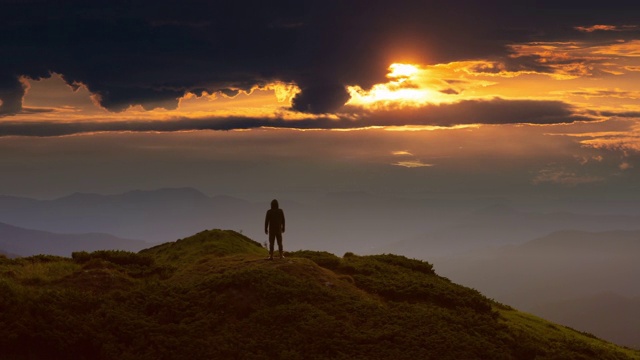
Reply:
x=213, y=296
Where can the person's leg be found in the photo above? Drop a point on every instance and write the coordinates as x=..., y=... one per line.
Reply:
x=279, y=237
x=272, y=238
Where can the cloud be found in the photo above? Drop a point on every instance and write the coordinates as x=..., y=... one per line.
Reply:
x=564, y=177
x=494, y=111
x=565, y=60
x=613, y=93
x=11, y=92
x=147, y=53
x=583, y=160
x=401, y=153
x=625, y=165
x=593, y=28
x=624, y=143
x=622, y=114
x=412, y=164
x=408, y=162
x=320, y=98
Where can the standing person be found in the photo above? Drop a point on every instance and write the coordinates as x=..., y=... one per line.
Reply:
x=274, y=226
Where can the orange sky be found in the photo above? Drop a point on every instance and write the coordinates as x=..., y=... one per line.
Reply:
x=600, y=83
x=593, y=78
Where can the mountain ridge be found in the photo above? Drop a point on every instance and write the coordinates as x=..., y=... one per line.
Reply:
x=213, y=295
x=19, y=241
x=377, y=222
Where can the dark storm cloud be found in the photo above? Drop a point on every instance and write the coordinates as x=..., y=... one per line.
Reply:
x=150, y=53
x=495, y=111
x=11, y=93
x=623, y=114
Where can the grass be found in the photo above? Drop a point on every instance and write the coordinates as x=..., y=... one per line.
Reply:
x=208, y=242
x=555, y=337
x=213, y=295
x=38, y=270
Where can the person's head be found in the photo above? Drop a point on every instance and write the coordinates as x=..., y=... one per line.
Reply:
x=274, y=204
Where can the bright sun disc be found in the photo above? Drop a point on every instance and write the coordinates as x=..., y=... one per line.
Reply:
x=404, y=88
x=402, y=70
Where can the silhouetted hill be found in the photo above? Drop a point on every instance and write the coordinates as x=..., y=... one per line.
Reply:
x=607, y=315
x=563, y=265
x=214, y=296
x=24, y=242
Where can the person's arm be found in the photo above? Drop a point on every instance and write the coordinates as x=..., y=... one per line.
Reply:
x=266, y=223
x=282, y=220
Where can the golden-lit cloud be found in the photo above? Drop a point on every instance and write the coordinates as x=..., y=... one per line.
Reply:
x=593, y=28
x=412, y=164
x=408, y=85
x=564, y=71
x=565, y=177
x=625, y=165
x=624, y=142
x=603, y=92
x=409, y=160
x=401, y=153
x=622, y=48
x=539, y=83
x=583, y=160
x=263, y=101
x=413, y=85
x=54, y=100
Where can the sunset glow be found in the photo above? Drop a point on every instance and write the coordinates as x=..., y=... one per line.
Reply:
x=584, y=82
x=408, y=86
x=468, y=134
x=402, y=70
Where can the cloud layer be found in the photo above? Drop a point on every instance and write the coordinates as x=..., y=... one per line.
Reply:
x=152, y=53
x=495, y=111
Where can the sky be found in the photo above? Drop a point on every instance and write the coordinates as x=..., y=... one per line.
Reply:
x=289, y=98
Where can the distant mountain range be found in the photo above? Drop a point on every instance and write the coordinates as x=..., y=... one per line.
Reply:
x=552, y=269
x=501, y=224
x=337, y=222
x=154, y=216
x=16, y=241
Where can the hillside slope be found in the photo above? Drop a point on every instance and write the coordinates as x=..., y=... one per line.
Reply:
x=214, y=296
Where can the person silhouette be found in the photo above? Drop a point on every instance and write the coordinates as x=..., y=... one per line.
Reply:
x=274, y=227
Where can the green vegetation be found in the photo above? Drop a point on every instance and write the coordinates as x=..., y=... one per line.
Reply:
x=213, y=296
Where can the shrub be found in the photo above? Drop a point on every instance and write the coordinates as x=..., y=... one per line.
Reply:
x=412, y=264
x=43, y=258
x=118, y=257
x=322, y=258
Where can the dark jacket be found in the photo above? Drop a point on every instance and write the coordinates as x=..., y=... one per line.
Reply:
x=274, y=221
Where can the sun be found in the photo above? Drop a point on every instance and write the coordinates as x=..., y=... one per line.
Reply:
x=406, y=88
x=409, y=85
x=402, y=71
